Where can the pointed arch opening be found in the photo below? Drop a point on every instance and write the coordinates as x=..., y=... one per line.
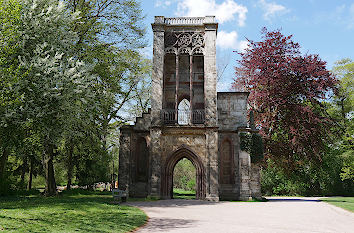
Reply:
x=184, y=180
x=172, y=160
x=184, y=112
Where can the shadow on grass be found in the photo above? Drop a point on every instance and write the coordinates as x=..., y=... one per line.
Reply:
x=336, y=201
x=85, y=213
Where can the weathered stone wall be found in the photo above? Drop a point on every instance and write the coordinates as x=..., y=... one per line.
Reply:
x=230, y=191
x=137, y=188
x=124, y=158
x=232, y=114
x=174, y=137
x=232, y=110
x=143, y=123
x=210, y=76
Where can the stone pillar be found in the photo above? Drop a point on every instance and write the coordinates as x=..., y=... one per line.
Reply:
x=177, y=85
x=191, y=87
x=124, y=160
x=157, y=72
x=255, y=182
x=210, y=77
x=156, y=106
x=244, y=166
x=212, y=171
x=155, y=163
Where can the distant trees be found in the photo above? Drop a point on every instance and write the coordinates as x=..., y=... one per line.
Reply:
x=67, y=71
x=184, y=175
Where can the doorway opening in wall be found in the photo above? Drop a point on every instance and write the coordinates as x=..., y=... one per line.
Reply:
x=184, y=180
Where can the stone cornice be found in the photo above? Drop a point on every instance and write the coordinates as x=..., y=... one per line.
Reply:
x=208, y=21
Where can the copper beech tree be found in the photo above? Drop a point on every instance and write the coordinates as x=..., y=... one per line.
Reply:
x=287, y=90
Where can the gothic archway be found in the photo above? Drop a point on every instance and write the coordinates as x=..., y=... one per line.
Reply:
x=172, y=160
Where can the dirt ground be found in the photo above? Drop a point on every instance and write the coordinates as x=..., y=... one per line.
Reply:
x=285, y=214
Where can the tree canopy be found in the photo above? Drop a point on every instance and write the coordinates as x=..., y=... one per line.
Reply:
x=69, y=70
x=287, y=89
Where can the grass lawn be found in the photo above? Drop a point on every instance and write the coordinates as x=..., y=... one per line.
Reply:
x=343, y=202
x=88, y=212
x=183, y=194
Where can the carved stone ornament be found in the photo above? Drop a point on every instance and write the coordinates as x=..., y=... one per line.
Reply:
x=184, y=42
x=198, y=51
x=197, y=40
x=184, y=50
x=171, y=50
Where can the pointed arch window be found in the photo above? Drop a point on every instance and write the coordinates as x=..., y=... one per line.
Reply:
x=184, y=112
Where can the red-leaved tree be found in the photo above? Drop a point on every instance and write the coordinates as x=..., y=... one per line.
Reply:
x=287, y=90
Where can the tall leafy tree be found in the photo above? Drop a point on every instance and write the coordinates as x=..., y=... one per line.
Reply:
x=343, y=110
x=10, y=98
x=111, y=35
x=55, y=80
x=287, y=91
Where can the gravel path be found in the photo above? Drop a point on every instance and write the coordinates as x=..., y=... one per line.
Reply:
x=277, y=215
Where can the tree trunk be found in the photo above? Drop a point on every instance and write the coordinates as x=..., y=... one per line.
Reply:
x=70, y=164
x=23, y=173
x=47, y=157
x=3, y=161
x=29, y=187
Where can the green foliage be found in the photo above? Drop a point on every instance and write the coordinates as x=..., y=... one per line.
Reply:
x=310, y=178
x=184, y=175
x=347, y=172
x=89, y=212
x=70, y=73
x=253, y=144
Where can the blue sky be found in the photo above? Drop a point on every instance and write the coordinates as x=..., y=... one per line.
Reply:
x=323, y=27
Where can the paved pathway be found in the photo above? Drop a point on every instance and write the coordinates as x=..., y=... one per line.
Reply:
x=277, y=215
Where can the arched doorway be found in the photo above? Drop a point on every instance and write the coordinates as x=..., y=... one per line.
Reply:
x=184, y=179
x=172, y=160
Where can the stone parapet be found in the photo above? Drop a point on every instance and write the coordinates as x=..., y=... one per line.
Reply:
x=185, y=21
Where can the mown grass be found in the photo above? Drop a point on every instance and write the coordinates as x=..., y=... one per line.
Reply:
x=183, y=194
x=343, y=202
x=69, y=212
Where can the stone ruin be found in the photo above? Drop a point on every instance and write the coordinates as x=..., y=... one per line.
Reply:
x=188, y=119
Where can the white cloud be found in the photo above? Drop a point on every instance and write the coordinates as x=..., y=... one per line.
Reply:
x=162, y=3
x=223, y=12
x=272, y=9
x=229, y=40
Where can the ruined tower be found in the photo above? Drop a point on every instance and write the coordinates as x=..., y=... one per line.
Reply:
x=188, y=119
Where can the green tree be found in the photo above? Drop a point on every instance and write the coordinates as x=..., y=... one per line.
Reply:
x=343, y=110
x=10, y=98
x=55, y=80
x=111, y=35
